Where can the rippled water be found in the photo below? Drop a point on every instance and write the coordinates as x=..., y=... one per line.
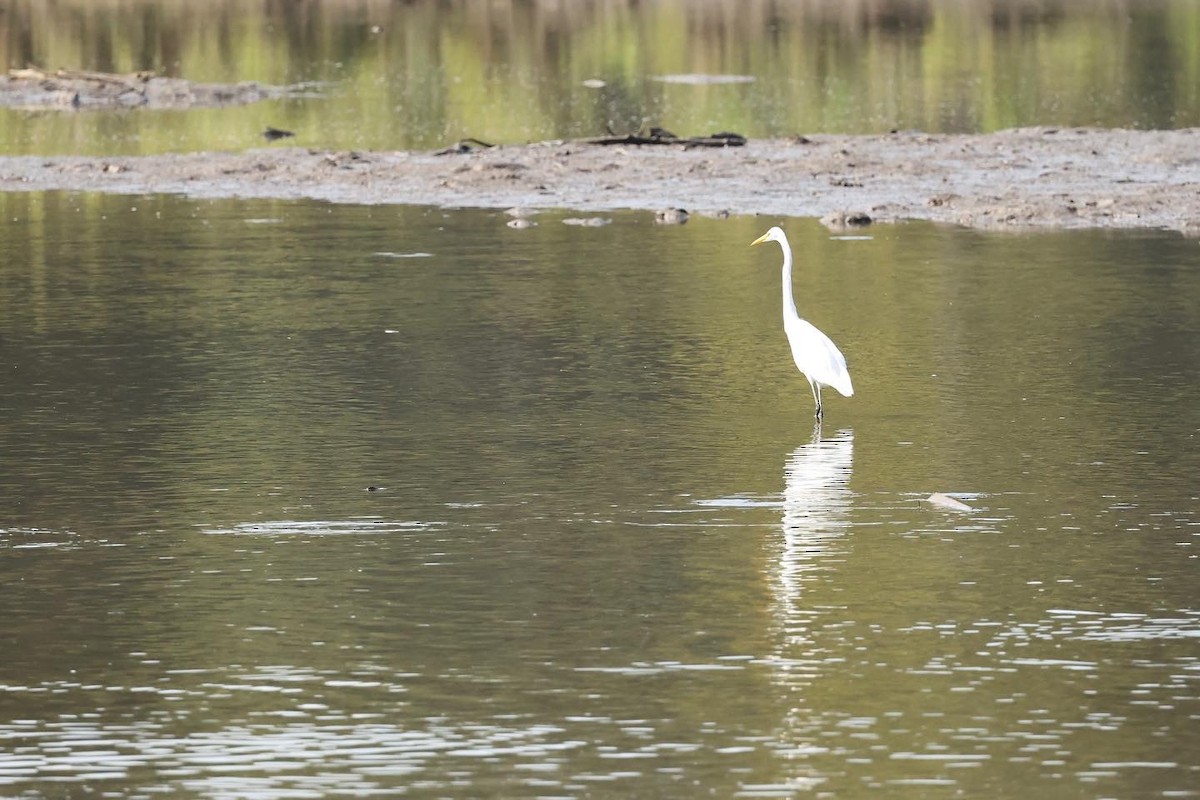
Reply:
x=544, y=512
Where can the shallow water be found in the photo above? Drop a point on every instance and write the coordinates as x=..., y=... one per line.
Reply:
x=426, y=73
x=305, y=500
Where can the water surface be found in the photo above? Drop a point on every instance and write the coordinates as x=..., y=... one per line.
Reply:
x=311, y=500
x=425, y=74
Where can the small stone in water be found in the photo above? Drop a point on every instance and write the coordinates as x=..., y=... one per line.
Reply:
x=671, y=216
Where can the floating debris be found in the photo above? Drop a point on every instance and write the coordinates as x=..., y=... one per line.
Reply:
x=703, y=79
x=521, y=222
x=738, y=501
x=587, y=222
x=275, y=134
x=595, y=83
x=362, y=526
x=947, y=502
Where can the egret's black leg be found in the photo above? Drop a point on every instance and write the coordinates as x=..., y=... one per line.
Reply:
x=817, y=395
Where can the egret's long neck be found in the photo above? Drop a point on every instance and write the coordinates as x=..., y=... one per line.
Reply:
x=789, y=303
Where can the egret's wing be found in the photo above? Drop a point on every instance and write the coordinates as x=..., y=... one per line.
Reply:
x=818, y=357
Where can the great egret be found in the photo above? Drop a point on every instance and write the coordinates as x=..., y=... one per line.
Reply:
x=814, y=353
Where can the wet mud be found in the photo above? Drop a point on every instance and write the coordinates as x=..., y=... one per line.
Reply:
x=1015, y=179
x=79, y=90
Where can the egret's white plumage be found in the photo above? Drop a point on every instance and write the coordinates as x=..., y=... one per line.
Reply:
x=814, y=353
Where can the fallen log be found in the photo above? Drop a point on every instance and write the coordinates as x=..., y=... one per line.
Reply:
x=462, y=146
x=663, y=136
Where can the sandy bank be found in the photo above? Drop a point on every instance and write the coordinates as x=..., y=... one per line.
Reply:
x=1033, y=177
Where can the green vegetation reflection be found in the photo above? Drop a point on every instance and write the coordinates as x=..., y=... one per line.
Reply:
x=424, y=74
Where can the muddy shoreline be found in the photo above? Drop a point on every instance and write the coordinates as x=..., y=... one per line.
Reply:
x=1015, y=179
x=79, y=90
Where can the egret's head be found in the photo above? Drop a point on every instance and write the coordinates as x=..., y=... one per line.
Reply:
x=773, y=235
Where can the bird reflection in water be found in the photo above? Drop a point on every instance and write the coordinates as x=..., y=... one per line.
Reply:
x=816, y=511
x=816, y=505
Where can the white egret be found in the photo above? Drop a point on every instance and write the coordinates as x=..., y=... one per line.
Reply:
x=814, y=353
